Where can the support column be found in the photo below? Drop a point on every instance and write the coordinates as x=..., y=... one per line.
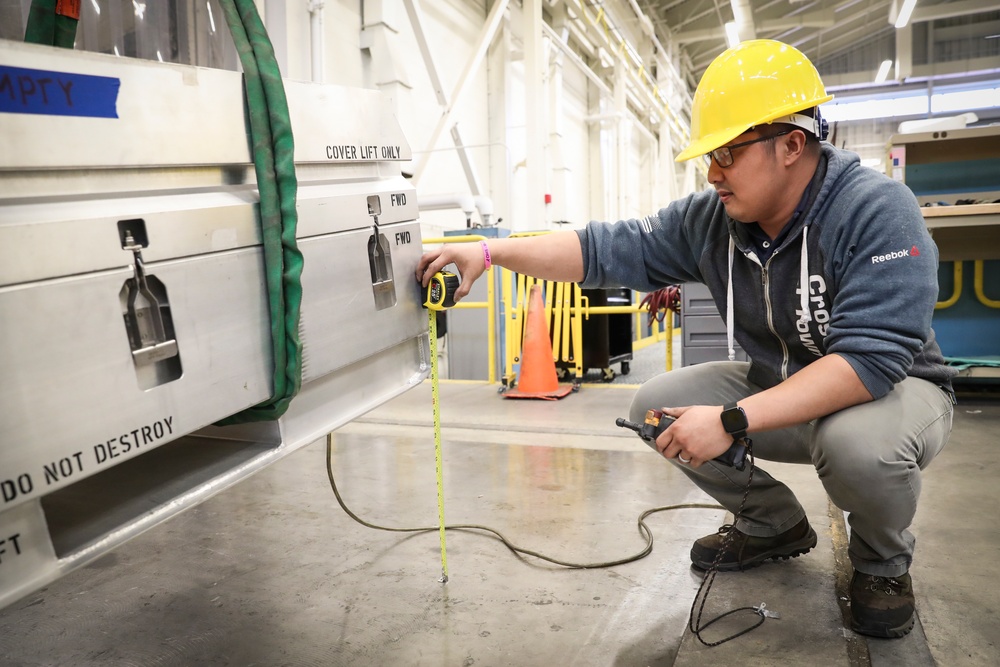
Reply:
x=388, y=69
x=598, y=155
x=561, y=171
x=623, y=134
x=534, y=64
x=498, y=78
x=904, y=53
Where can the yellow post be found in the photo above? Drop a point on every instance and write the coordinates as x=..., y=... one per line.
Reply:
x=578, y=330
x=978, y=280
x=668, y=326
x=956, y=292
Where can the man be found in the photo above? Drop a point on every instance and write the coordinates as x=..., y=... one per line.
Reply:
x=827, y=278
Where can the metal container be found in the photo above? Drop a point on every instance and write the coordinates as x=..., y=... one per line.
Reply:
x=133, y=308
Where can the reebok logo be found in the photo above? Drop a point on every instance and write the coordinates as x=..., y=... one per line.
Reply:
x=912, y=252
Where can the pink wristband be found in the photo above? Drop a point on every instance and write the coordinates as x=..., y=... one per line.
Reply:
x=486, y=255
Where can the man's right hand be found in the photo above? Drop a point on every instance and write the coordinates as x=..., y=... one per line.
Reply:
x=467, y=257
x=556, y=256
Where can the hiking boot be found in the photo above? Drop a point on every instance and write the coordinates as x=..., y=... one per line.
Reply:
x=881, y=606
x=743, y=551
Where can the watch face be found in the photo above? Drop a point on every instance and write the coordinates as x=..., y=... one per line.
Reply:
x=734, y=420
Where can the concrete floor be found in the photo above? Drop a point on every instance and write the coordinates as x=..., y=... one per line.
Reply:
x=274, y=572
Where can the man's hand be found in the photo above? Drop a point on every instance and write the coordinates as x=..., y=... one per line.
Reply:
x=696, y=435
x=556, y=256
x=467, y=257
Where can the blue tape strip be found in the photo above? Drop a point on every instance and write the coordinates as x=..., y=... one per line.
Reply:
x=57, y=93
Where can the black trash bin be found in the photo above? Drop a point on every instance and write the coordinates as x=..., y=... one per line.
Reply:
x=607, y=339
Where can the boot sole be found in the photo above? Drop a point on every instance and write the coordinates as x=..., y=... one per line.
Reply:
x=787, y=551
x=882, y=630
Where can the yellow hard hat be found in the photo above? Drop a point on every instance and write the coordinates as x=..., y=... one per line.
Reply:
x=754, y=82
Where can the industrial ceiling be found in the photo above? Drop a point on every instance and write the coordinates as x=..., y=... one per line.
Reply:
x=846, y=39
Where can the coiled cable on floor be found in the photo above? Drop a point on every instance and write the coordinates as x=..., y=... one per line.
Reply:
x=694, y=622
x=643, y=528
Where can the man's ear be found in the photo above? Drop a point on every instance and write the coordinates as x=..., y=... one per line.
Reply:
x=794, y=146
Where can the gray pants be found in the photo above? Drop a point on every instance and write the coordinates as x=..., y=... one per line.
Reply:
x=868, y=457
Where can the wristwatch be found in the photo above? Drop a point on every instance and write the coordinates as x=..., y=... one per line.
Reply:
x=734, y=420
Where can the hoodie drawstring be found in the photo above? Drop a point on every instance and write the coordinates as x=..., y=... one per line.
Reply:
x=729, y=303
x=804, y=316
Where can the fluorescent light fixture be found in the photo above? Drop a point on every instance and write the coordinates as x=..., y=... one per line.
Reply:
x=888, y=108
x=904, y=14
x=914, y=105
x=883, y=71
x=732, y=34
x=984, y=98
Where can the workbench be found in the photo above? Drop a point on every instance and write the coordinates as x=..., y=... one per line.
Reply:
x=955, y=175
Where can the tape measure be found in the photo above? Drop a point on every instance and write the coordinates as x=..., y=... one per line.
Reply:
x=440, y=295
x=441, y=291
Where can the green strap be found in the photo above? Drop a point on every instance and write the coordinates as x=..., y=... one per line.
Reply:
x=273, y=152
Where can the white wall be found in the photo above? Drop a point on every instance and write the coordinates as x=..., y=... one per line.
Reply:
x=371, y=43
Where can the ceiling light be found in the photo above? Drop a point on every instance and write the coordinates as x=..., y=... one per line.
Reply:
x=732, y=34
x=883, y=71
x=904, y=13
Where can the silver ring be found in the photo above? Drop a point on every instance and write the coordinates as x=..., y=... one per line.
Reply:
x=682, y=459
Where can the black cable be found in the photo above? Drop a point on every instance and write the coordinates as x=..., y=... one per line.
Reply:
x=643, y=528
x=694, y=624
x=703, y=590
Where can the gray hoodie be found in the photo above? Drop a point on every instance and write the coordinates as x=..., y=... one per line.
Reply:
x=861, y=245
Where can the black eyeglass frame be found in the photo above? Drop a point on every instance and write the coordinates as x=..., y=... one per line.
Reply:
x=724, y=154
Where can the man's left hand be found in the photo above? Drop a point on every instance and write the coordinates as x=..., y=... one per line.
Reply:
x=696, y=435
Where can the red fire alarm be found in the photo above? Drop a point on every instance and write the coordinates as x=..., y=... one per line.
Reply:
x=548, y=199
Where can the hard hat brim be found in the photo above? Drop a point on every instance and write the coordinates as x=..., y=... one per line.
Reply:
x=709, y=143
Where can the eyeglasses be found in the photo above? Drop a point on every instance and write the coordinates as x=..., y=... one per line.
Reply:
x=724, y=155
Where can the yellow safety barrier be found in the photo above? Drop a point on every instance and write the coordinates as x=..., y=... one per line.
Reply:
x=978, y=278
x=956, y=291
x=489, y=304
x=566, y=308
x=565, y=329
x=657, y=335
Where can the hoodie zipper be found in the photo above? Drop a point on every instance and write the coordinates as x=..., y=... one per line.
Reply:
x=769, y=310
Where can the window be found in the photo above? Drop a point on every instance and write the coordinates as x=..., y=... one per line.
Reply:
x=189, y=32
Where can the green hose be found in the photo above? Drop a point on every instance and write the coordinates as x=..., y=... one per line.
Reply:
x=273, y=152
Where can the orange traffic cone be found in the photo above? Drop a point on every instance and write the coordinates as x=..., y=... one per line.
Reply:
x=537, y=378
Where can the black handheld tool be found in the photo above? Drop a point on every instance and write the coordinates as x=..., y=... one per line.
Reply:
x=441, y=290
x=656, y=423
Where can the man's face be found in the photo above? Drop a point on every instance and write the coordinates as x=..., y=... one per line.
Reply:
x=750, y=188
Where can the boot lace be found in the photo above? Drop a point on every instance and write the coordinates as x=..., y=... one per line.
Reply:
x=725, y=528
x=886, y=585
